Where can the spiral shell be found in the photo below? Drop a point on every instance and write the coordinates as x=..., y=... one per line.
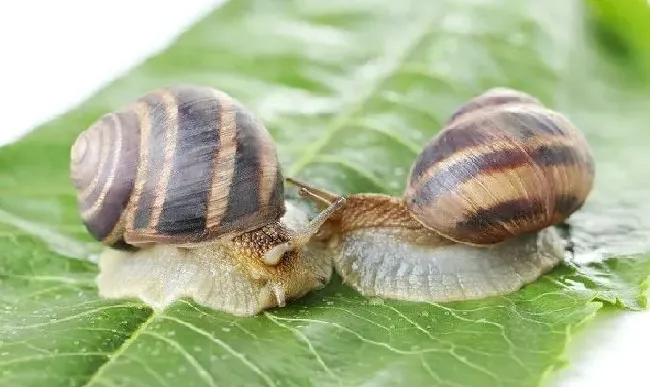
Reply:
x=503, y=166
x=183, y=164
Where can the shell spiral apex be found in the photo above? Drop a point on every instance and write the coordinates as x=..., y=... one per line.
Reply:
x=182, y=164
x=504, y=166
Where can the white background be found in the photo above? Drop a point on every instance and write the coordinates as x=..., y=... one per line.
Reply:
x=54, y=54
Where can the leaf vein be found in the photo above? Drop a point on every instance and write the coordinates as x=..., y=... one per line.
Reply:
x=355, y=315
x=69, y=318
x=310, y=346
x=126, y=344
x=364, y=339
x=225, y=346
x=205, y=375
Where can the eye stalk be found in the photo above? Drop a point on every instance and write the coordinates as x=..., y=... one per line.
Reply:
x=299, y=240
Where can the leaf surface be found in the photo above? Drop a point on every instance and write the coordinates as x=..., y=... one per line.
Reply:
x=350, y=91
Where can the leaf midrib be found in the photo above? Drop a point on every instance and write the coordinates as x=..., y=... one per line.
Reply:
x=392, y=64
x=95, y=377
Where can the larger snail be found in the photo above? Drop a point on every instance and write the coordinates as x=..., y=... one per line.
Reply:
x=476, y=216
x=184, y=188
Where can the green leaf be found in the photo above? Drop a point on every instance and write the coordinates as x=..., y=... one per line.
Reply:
x=350, y=91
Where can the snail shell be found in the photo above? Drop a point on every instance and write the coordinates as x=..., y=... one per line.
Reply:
x=504, y=166
x=184, y=164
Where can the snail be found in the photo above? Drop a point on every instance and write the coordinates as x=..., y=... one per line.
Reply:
x=184, y=189
x=476, y=217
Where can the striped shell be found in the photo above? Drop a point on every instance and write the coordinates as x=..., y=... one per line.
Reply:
x=184, y=164
x=503, y=166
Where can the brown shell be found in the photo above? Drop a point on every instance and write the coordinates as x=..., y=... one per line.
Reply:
x=499, y=170
x=184, y=164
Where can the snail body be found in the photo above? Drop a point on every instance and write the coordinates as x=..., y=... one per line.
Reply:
x=187, y=180
x=476, y=214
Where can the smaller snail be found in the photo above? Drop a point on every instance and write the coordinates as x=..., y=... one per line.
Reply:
x=184, y=188
x=476, y=216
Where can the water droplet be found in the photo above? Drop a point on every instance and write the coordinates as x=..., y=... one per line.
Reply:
x=225, y=329
x=330, y=303
x=415, y=348
x=197, y=348
x=376, y=301
x=182, y=369
x=425, y=313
